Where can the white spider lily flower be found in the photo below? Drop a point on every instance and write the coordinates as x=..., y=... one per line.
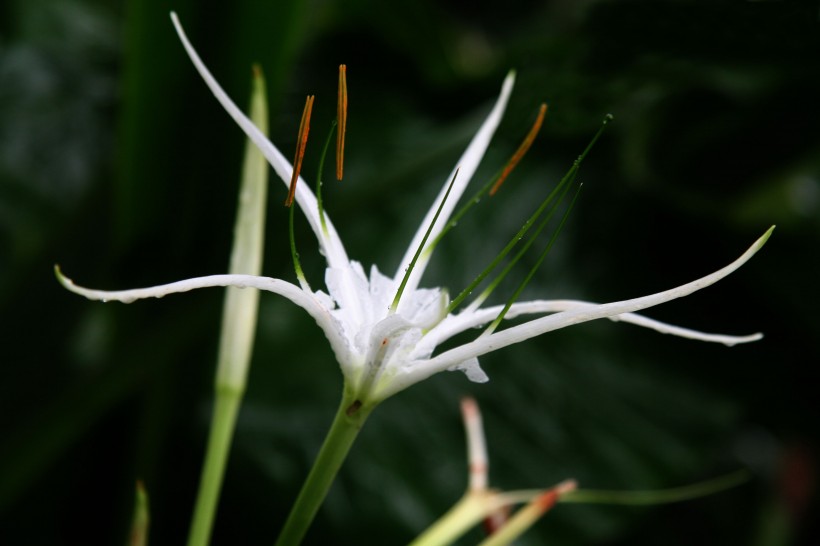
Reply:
x=381, y=350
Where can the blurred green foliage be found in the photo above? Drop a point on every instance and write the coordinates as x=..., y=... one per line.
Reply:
x=117, y=163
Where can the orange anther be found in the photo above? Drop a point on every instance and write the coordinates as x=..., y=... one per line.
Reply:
x=341, y=116
x=301, y=142
x=522, y=149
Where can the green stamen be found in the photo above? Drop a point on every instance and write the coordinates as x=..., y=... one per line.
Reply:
x=462, y=211
x=561, y=187
x=497, y=180
x=529, y=242
x=506, y=250
x=319, y=176
x=491, y=328
x=297, y=266
x=607, y=119
x=395, y=305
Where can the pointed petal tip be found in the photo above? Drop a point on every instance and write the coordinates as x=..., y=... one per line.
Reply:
x=178, y=26
x=62, y=279
x=739, y=340
x=765, y=237
x=509, y=81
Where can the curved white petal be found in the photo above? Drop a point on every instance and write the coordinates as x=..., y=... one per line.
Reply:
x=456, y=324
x=466, y=167
x=329, y=240
x=309, y=302
x=515, y=334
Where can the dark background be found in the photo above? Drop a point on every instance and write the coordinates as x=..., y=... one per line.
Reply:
x=117, y=163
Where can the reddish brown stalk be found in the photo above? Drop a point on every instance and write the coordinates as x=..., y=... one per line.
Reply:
x=301, y=142
x=341, y=115
x=522, y=149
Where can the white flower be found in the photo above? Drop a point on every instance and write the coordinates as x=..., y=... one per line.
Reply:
x=383, y=352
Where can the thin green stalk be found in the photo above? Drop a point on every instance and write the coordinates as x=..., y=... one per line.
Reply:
x=531, y=238
x=494, y=324
x=568, y=178
x=395, y=305
x=343, y=432
x=294, y=254
x=660, y=496
x=226, y=408
x=238, y=323
x=319, y=182
x=513, y=242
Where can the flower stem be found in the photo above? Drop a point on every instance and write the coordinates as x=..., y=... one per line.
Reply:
x=226, y=408
x=346, y=425
x=239, y=316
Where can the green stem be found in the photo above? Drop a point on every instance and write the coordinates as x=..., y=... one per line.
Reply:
x=226, y=408
x=346, y=426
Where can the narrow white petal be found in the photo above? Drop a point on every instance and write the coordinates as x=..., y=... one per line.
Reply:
x=486, y=344
x=303, y=299
x=456, y=324
x=330, y=242
x=466, y=167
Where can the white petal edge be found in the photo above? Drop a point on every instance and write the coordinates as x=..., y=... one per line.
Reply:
x=466, y=167
x=516, y=334
x=296, y=295
x=331, y=244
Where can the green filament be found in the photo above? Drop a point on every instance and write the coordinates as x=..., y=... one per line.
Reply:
x=510, y=245
x=319, y=177
x=491, y=328
x=676, y=494
x=560, y=188
x=395, y=305
x=297, y=265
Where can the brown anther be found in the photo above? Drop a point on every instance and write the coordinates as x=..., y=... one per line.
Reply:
x=341, y=120
x=522, y=149
x=301, y=142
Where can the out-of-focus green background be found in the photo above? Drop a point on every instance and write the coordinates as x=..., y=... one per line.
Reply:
x=117, y=163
